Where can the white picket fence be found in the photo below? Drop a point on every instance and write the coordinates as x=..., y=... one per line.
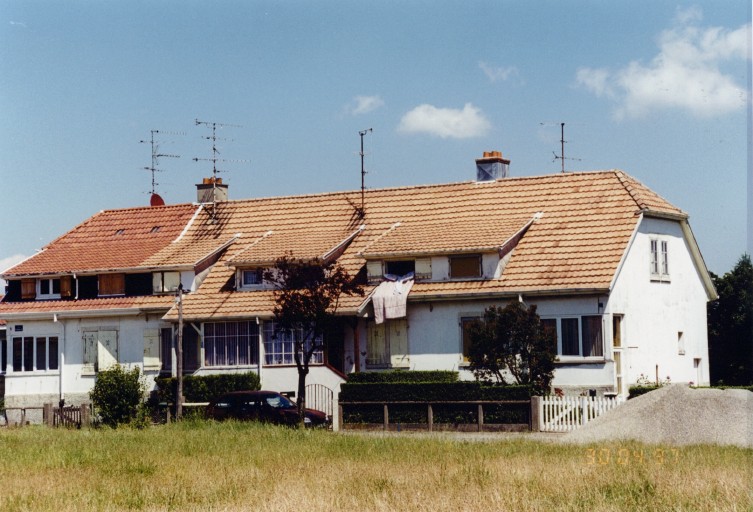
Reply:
x=566, y=413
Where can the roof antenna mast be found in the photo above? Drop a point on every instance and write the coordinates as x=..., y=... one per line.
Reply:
x=561, y=156
x=363, y=170
x=156, y=155
x=215, y=158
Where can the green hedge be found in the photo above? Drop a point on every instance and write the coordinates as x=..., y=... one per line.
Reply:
x=205, y=388
x=433, y=392
x=402, y=376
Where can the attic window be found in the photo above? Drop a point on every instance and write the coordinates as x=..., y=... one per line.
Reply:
x=466, y=266
x=156, y=229
x=120, y=232
x=399, y=267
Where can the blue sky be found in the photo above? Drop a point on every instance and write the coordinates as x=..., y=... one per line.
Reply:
x=658, y=89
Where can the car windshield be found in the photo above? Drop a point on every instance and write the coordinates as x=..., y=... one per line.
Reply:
x=278, y=402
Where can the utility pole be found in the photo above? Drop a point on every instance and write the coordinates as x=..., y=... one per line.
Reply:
x=179, y=353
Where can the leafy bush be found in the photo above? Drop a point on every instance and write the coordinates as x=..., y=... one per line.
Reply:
x=206, y=387
x=117, y=395
x=403, y=376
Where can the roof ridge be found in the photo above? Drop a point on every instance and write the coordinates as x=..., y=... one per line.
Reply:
x=622, y=178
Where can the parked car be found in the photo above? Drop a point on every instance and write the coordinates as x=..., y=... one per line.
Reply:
x=267, y=406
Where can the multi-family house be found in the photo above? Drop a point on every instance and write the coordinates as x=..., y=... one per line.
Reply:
x=612, y=267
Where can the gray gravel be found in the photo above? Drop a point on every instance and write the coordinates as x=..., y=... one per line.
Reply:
x=676, y=415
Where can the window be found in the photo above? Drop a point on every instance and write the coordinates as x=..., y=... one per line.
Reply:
x=659, y=260
x=399, y=267
x=252, y=277
x=577, y=336
x=100, y=349
x=3, y=352
x=35, y=353
x=279, y=346
x=165, y=282
x=466, y=266
x=465, y=325
x=387, y=344
x=166, y=348
x=680, y=344
x=231, y=343
x=48, y=288
x=111, y=284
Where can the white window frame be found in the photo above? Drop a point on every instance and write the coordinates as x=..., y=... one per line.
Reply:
x=659, y=259
x=35, y=353
x=226, y=343
x=279, y=346
x=51, y=286
x=577, y=357
x=259, y=285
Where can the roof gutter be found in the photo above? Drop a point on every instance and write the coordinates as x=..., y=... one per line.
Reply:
x=509, y=294
x=87, y=313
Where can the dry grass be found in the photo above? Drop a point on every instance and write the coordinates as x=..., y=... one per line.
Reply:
x=231, y=466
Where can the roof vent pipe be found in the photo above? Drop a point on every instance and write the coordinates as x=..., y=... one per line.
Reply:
x=492, y=166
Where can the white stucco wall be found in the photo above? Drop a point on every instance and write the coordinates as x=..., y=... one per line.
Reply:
x=655, y=312
x=32, y=388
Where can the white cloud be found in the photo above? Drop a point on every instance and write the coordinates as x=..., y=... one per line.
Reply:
x=6, y=263
x=495, y=74
x=364, y=104
x=445, y=122
x=684, y=75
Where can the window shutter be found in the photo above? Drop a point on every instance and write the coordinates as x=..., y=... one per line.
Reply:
x=376, y=349
x=151, y=348
x=111, y=284
x=28, y=288
x=107, y=349
x=423, y=268
x=66, y=286
x=398, y=335
x=89, y=339
x=374, y=270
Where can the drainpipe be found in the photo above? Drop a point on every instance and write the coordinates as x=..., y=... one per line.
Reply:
x=61, y=357
x=259, y=351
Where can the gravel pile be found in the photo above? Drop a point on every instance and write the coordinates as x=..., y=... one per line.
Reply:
x=676, y=415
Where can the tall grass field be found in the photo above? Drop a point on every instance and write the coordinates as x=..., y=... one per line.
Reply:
x=234, y=466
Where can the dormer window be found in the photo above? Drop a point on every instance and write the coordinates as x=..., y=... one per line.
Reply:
x=48, y=288
x=165, y=282
x=252, y=278
x=467, y=266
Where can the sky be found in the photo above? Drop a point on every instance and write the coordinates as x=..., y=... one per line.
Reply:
x=658, y=89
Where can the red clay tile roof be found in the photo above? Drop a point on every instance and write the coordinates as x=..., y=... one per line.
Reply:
x=110, y=240
x=153, y=302
x=576, y=245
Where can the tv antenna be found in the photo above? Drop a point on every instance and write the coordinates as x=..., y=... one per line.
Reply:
x=561, y=156
x=362, y=212
x=215, y=158
x=156, y=155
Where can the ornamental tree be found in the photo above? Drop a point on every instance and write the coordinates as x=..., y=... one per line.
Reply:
x=511, y=343
x=307, y=295
x=730, y=325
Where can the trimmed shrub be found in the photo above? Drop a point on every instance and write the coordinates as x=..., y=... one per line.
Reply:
x=434, y=392
x=403, y=376
x=117, y=395
x=205, y=388
x=635, y=391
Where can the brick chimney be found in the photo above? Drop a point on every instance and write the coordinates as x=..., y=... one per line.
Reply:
x=211, y=190
x=492, y=166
